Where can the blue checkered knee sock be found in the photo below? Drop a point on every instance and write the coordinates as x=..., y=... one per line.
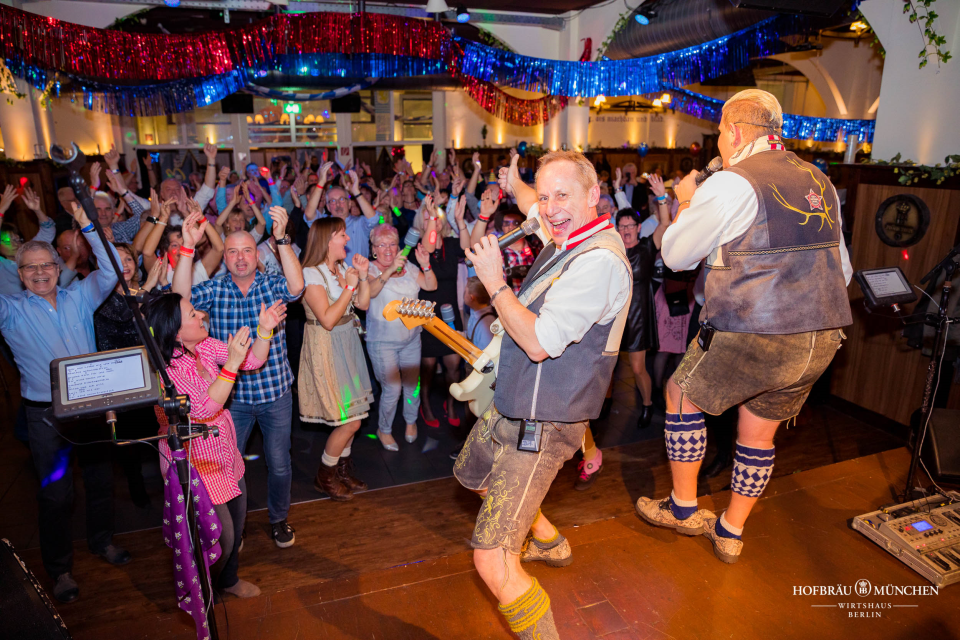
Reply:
x=752, y=469
x=687, y=438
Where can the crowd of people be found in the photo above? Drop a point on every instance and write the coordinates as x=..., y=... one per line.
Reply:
x=222, y=257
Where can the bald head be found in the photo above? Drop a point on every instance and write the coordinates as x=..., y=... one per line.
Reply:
x=240, y=255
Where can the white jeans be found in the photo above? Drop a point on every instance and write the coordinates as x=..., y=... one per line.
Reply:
x=397, y=365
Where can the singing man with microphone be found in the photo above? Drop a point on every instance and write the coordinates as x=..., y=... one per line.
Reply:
x=768, y=226
x=561, y=342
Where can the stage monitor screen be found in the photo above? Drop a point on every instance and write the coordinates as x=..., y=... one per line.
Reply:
x=350, y=103
x=885, y=287
x=101, y=377
x=89, y=385
x=922, y=525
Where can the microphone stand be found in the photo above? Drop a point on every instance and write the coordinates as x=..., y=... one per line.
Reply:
x=941, y=321
x=175, y=406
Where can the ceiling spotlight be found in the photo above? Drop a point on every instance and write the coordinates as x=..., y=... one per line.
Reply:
x=462, y=14
x=665, y=98
x=646, y=12
x=657, y=103
x=437, y=6
x=172, y=3
x=642, y=19
x=599, y=100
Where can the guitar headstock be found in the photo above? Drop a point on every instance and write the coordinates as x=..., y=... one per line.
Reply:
x=413, y=313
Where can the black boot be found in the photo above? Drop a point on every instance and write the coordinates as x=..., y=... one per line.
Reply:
x=646, y=415
x=605, y=409
x=720, y=462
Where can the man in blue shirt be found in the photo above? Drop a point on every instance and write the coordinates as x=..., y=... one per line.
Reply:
x=338, y=206
x=41, y=324
x=233, y=300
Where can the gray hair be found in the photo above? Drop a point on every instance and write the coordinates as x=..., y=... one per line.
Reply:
x=756, y=108
x=613, y=203
x=383, y=230
x=35, y=245
x=103, y=195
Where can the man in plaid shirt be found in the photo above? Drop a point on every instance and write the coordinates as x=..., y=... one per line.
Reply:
x=233, y=300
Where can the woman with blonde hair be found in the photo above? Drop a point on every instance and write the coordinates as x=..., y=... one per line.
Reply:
x=334, y=383
x=395, y=350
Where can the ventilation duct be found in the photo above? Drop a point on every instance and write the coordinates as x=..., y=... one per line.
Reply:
x=679, y=24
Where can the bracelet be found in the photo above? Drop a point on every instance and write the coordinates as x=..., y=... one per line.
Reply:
x=125, y=193
x=229, y=376
x=482, y=219
x=166, y=287
x=263, y=337
x=88, y=228
x=662, y=199
x=186, y=253
x=364, y=279
x=161, y=222
x=498, y=292
x=683, y=202
x=351, y=288
x=115, y=171
x=427, y=269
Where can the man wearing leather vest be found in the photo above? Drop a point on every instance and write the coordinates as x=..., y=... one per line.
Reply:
x=768, y=226
x=561, y=342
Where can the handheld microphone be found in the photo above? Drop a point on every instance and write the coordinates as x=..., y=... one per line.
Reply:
x=410, y=241
x=529, y=227
x=446, y=312
x=715, y=165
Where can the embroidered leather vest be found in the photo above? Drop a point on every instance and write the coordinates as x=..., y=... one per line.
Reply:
x=784, y=274
x=570, y=388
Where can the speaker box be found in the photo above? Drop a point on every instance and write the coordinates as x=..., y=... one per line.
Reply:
x=825, y=8
x=25, y=610
x=941, y=446
x=347, y=104
x=237, y=103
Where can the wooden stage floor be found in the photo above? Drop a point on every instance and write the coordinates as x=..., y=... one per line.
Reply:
x=374, y=568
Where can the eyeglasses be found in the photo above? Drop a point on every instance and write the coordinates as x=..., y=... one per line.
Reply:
x=340, y=200
x=510, y=223
x=624, y=227
x=384, y=247
x=38, y=267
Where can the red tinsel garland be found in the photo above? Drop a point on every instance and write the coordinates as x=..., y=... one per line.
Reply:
x=493, y=100
x=106, y=55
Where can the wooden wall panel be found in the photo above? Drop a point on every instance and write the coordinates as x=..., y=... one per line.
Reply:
x=875, y=369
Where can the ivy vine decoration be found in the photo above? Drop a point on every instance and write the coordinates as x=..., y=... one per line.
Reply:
x=924, y=17
x=8, y=85
x=491, y=40
x=911, y=172
x=617, y=28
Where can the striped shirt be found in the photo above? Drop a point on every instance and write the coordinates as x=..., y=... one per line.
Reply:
x=216, y=459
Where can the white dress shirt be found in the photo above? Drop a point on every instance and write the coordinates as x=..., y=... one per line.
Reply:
x=722, y=209
x=592, y=293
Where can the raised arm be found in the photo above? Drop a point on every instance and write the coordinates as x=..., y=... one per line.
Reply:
x=228, y=209
x=488, y=207
x=353, y=186
x=477, y=170
x=194, y=226
x=292, y=270
x=663, y=208
x=211, y=260
x=98, y=285
x=510, y=182
x=48, y=229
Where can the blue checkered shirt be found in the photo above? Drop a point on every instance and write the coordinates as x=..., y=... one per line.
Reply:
x=229, y=310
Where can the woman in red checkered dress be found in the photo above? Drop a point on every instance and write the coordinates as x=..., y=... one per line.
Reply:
x=205, y=369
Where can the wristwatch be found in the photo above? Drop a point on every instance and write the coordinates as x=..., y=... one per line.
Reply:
x=285, y=240
x=152, y=220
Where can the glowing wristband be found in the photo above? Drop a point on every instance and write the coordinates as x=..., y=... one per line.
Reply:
x=88, y=228
x=263, y=337
x=186, y=253
x=396, y=212
x=226, y=374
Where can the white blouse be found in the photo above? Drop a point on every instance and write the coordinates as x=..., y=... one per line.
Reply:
x=405, y=286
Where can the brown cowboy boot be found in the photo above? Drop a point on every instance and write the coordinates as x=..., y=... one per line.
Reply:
x=345, y=473
x=328, y=481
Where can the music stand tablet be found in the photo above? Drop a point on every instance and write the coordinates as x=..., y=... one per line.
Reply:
x=89, y=385
x=885, y=287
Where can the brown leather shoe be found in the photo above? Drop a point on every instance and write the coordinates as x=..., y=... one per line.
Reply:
x=345, y=473
x=328, y=482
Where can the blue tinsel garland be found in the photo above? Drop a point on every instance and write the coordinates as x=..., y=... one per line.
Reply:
x=794, y=127
x=632, y=77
